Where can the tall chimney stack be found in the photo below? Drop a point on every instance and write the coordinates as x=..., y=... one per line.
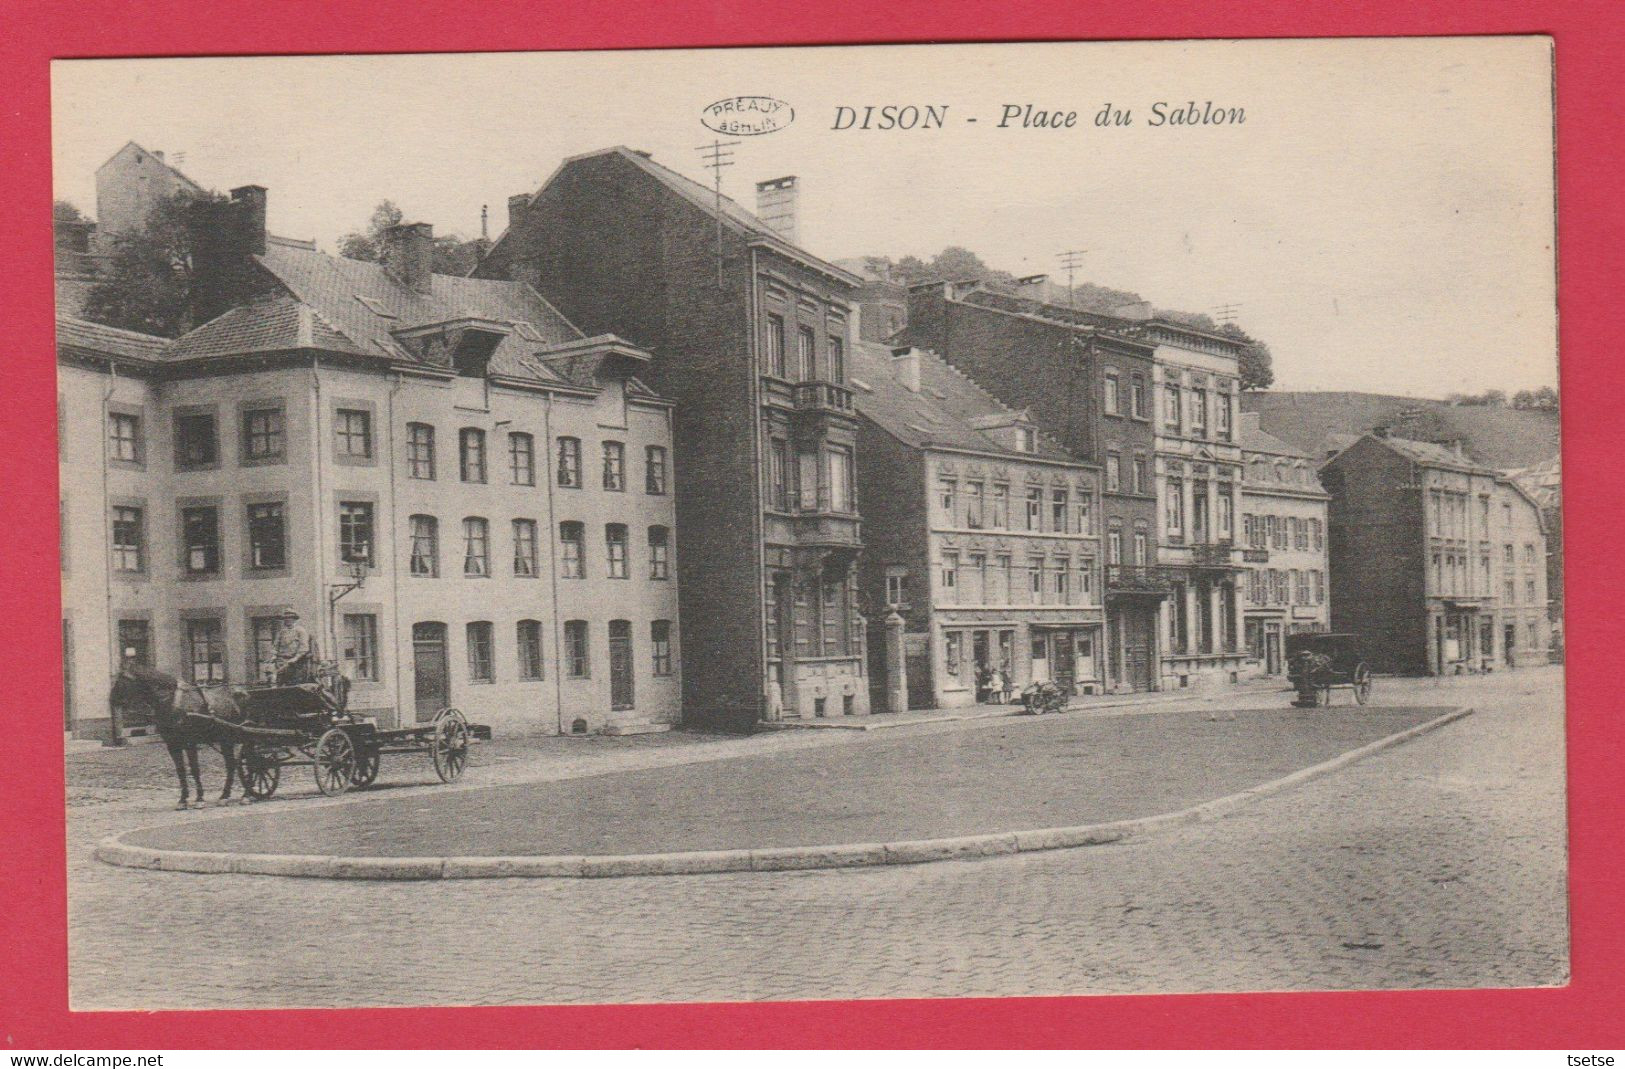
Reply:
x=516, y=208
x=776, y=204
x=408, y=255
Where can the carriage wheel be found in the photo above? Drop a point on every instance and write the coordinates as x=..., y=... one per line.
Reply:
x=260, y=773
x=448, y=746
x=1362, y=683
x=366, y=767
x=334, y=761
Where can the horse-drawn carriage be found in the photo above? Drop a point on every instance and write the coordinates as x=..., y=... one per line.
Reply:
x=309, y=724
x=1319, y=661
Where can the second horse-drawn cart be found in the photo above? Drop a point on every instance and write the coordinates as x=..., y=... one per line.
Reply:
x=1319, y=661
x=308, y=724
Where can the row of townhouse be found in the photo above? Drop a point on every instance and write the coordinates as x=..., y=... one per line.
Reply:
x=468, y=501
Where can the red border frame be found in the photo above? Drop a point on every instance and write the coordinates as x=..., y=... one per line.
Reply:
x=1590, y=36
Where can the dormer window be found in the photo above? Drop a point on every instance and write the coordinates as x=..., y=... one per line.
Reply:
x=1026, y=440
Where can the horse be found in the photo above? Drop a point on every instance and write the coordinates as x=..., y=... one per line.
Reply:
x=187, y=716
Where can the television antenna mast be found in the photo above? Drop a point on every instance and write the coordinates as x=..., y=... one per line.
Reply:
x=1226, y=313
x=1071, y=259
x=717, y=155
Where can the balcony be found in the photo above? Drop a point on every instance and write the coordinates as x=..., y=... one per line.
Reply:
x=820, y=399
x=1213, y=554
x=813, y=521
x=1138, y=579
x=1255, y=556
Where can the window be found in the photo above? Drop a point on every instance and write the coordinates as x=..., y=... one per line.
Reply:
x=360, y=650
x=569, y=462
x=654, y=469
x=1199, y=510
x=973, y=582
x=614, y=466
x=1533, y=632
x=660, y=647
x=1529, y=590
x=1199, y=413
x=896, y=587
x=267, y=537
x=835, y=618
x=1137, y=396
x=129, y=539
x=124, y=437
x=200, y=540
x=1035, y=579
x=576, y=662
x=998, y=581
x=1058, y=509
x=263, y=437
x=779, y=474
x=1114, y=472
x=136, y=635
x=973, y=504
x=1086, y=581
x=355, y=532
x=1300, y=587
x=1061, y=577
x=806, y=367
x=839, y=462
x=206, y=651
x=1114, y=546
x=1320, y=586
x=659, y=553
x=953, y=651
x=1317, y=534
x=1026, y=440
x=1227, y=512
x=471, y=454
x=1086, y=515
x=1175, y=511
x=837, y=359
x=1142, y=474
x=1141, y=548
x=1507, y=591
x=481, y=668
x=419, y=451
x=1221, y=416
x=1035, y=509
x=775, y=345
x=425, y=535
x=615, y=547
x=476, y=546
x=1529, y=552
x=196, y=443
x=1300, y=533
x=352, y=433
x=1111, y=400
x=522, y=458
x=1170, y=408
x=1507, y=553
x=262, y=632
x=1000, y=519
x=950, y=574
x=528, y=635
x=524, y=549
x=572, y=550
x=947, y=497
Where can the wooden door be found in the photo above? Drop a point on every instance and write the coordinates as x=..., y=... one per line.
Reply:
x=431, y=675
x=620, y=664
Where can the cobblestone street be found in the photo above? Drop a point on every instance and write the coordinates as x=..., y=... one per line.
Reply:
x=1438, y=863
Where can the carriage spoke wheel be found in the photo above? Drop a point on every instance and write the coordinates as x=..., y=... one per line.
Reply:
x=448, y=746
x=1362, y=684
x=335, y=761
x=366, y=767
x=260, y=771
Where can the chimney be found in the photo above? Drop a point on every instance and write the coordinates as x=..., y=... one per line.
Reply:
x=408, y=255
x=776, y=206
x=905, y=367
x=159, y=156
x=1035, y=287
x=248, y=217
x=516, y=208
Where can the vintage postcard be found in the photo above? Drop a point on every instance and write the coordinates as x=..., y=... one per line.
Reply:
x=810, y=523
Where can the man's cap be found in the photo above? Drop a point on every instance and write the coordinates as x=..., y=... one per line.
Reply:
x=289, y=614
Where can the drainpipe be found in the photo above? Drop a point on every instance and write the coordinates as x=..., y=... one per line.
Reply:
x=116, y=726
x=758, y=551
x=394, y=563
x=320, y=554
x=552, y=558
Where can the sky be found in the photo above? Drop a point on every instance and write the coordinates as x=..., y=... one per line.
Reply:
x=1382, y=218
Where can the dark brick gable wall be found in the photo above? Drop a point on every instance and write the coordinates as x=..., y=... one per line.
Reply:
x=896, y=531
x=617, y=253
x=1376, y=555
x=1027, y=363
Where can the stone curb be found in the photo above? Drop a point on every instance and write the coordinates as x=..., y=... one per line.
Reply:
x=114, y=851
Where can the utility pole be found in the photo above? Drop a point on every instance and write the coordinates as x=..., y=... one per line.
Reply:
x=1071, y=259
x=717, y=155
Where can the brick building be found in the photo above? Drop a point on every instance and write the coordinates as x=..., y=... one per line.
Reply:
x=467, y=500
x=1283, y=539
x=1437, y=561
x=750, y=337
x=1087, y=383
x=979, y=531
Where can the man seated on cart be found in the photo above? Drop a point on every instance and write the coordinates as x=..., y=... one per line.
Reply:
x=292, y=651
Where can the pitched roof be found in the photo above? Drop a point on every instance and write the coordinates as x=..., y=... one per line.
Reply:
x=156, y=158
x=275, y=323
x=1432, y=454
x=1254, y=440
x=950, y=411
x=732, y=212
x=95, y=337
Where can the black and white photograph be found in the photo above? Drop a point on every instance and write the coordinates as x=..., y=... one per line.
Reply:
x=862, y=522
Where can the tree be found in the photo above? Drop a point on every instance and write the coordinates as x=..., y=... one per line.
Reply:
x=1257, y=364
x=146, y=286
x=451, y=256
x=1541, y=400
x=65, y=211
x=1489, y=398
